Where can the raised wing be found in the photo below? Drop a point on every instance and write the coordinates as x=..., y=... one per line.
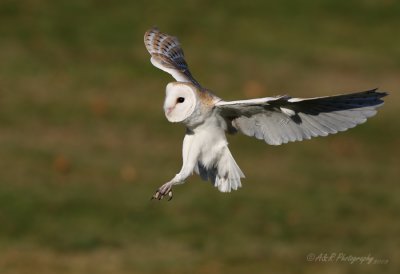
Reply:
x=167, y=55
x=283, y=119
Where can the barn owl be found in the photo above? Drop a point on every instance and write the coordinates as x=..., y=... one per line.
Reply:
x=276, y=120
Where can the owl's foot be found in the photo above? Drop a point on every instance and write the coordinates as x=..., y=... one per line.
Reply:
x=164, y=190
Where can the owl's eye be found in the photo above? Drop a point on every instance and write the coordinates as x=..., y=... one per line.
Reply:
x=180, y=100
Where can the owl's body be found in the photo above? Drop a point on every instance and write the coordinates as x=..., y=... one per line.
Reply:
x=205, y=151
x=205, y=147
x=276, y=120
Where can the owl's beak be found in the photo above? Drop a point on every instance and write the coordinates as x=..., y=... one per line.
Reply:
x=168, y=110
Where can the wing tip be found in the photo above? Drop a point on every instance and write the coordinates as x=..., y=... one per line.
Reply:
x=378, y=93
x=153, y=29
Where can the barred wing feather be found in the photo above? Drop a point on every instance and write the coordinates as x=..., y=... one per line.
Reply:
x=167, y=55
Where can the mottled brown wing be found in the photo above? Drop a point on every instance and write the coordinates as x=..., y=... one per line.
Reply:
x=167, y=55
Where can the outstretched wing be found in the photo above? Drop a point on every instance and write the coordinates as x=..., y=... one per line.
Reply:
x=282, y=119
x=167, y=55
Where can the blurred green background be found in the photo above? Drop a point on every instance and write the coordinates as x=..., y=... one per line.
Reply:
x=84, y=142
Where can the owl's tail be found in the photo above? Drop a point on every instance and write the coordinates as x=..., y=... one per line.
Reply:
x=224, y=174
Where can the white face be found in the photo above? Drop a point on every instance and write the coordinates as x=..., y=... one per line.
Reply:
x=180, y=101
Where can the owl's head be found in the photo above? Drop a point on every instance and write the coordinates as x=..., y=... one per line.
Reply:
x=180, y=101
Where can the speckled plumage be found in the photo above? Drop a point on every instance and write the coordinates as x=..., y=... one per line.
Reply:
x=167, y=54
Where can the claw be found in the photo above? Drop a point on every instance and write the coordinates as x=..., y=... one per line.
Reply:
x=156, y=195
x=162, y=192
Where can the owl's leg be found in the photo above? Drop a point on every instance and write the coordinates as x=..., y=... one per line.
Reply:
x=190, y=155
x=166, y=189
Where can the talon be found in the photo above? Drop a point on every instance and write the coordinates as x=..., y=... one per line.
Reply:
x=162, y=192
x=155, y=196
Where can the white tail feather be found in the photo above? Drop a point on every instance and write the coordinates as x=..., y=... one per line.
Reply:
x=224, y=174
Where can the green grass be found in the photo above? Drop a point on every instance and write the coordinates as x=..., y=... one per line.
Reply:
x=84, y=142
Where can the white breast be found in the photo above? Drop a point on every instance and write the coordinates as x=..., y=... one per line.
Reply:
x=211, y=139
